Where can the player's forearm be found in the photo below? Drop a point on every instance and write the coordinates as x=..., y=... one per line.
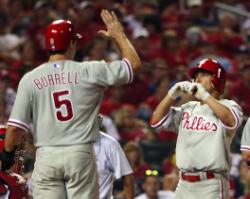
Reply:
x=128, y=51
x=13, y=138
x=129, y=187
x=162, y=109
x=245, y=155
x=221, y=111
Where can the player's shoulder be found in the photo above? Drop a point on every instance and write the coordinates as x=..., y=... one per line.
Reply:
x=229, y=102
x=89, y=62
x=26, y=77
x=248, y=122
x=34, y=71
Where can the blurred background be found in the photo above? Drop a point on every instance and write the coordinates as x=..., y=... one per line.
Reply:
x=169, y=35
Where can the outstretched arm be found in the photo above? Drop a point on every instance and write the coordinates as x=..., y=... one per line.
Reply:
x=162, y=109
x=115, y=31
x=169, y=100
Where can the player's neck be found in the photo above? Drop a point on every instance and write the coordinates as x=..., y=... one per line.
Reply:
x=57, y=57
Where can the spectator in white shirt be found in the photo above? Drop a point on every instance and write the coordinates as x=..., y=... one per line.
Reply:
x=112, y=164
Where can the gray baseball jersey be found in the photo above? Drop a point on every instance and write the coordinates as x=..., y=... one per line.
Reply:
x=112, y=163
x=245, y=139
x=203, y=142
x=62, y=98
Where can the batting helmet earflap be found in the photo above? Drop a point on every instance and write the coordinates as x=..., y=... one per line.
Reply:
x=215, y=68
x=59, y=34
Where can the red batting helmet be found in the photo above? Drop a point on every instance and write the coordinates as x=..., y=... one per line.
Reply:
x=213, y=67
x=59, y=34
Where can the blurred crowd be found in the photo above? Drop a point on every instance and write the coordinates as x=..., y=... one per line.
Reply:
x=170, y=37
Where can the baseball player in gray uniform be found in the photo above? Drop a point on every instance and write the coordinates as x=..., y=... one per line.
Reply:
x=61, y=99
x=205, y=129
x=112, y=164
x=245, y=142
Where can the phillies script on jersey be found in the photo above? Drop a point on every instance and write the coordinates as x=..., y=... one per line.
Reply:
x=198, y=123
x=56, y=79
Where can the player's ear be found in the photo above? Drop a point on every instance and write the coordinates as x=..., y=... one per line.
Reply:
x=197, y=77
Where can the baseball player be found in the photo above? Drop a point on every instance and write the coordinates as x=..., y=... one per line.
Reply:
x=112, y=164
x=245, y=143
x=205, y=129
x=61, y=98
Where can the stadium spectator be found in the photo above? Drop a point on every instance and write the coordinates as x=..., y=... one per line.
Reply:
x=151, y=187
x=241, y=89
x=130, y=127
x=137, y=163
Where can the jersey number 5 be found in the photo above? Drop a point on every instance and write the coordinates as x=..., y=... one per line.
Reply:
x=60, y=100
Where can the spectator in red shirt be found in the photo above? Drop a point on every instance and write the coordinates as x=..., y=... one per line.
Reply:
x=162, y=86
x=135, y=158
x=153, y=24
x=241, y=90
x=159, y=70
x=140, y=41
x=171, y=51
x=26, y=63
x=130, y=127
x=137, y=163
x=113, y=102
x=87, y=12
x=145, y=109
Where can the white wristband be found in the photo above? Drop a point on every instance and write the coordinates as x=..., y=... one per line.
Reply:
x=205, y=96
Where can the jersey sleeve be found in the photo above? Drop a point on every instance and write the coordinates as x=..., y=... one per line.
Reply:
x=236, y=111
x=109, y=73
x=118, y=161
x=21, y=112
x=245, y=139
x=171, y=121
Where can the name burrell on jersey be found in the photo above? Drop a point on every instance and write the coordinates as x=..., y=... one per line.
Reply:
x=198, y=123
x=56, y=79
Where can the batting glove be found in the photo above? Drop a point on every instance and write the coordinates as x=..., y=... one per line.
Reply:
x=178, y=88
x=197, y=90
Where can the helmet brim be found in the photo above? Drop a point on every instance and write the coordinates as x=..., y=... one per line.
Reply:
x=192, y=71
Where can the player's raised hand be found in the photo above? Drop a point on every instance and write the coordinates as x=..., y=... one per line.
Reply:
x=179, y=88
x=197, y=90
x=114, y=27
